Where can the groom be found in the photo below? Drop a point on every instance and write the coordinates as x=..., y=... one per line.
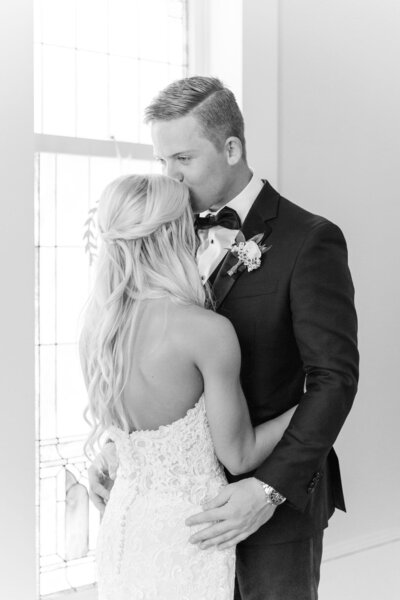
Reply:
x=296, y=323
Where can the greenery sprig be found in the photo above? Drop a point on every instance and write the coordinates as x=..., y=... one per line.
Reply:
x=89, y=236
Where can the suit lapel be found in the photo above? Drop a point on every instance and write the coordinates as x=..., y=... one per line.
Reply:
x=264, y=208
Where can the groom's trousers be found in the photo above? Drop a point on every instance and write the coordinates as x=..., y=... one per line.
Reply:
x=287, y=571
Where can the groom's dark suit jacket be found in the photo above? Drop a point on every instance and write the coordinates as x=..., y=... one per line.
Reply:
x=297, y=328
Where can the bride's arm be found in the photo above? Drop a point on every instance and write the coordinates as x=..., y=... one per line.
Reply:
x=238, y=445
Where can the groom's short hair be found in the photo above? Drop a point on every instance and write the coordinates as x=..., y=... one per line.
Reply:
x=207, y=99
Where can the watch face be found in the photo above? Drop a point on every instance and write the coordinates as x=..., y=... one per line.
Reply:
x=272, y=495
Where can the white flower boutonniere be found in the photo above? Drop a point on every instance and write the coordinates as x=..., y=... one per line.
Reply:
x=249, y=253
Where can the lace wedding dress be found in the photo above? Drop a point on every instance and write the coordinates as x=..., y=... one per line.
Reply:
x=143, y=551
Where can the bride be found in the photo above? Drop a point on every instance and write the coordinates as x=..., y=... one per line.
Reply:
x=162, y=373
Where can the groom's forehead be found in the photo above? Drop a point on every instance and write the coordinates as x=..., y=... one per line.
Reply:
x=171, y=141
x=177, y=131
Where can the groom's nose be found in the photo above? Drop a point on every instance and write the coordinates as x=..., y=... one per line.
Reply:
x=172, y=171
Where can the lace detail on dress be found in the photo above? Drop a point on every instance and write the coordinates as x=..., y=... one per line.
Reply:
x=163, y=477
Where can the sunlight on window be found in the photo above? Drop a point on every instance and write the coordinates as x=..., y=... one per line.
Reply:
x=99, y=62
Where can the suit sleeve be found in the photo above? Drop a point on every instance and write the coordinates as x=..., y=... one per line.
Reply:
x=325, y=329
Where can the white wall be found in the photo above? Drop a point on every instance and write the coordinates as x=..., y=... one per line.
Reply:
x=340, y=157
x=260, y=85
x=17, y=450
x=242, y=41
x=215, y=41
x=225, y=43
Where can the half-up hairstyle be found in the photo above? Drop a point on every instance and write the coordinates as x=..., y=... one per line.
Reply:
x=148, y=251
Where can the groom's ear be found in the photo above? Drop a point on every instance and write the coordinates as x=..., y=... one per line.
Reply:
x=233, y=150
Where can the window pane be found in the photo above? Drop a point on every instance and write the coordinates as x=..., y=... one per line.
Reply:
x=58, y=90
x=47, y=199
x=57, y=20
x=124, y=96
x=102, y=171
x=79, y=80
x=124, y=28
x=65, y=516
x=176, y=41
x=47, y=392
x=175, y=72
x=91, y=30
x=92, y=95
x=153, y=15
x=153, y=77
x=71, y=393
x=72, y=203
x=48, y=515
x=76, y=518
x=176, y=9
x=72, y=292
x=46, y=295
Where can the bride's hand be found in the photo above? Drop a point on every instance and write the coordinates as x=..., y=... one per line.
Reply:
x=237, y=512
x=101, y=475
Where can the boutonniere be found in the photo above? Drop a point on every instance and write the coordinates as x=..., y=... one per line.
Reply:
x=249, y=253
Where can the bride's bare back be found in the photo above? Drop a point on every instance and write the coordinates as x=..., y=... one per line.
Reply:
x=163, y=382
x=179, y=351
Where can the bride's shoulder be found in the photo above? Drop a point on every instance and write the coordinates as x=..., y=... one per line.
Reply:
x=208, y=338
x=203, y=316
x=206, y=324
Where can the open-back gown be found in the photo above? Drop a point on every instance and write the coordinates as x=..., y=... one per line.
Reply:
x=143, y=552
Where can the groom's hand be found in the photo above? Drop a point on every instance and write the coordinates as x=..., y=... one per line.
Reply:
x=237, y=512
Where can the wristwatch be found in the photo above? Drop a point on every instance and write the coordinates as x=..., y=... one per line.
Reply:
x=273, y=497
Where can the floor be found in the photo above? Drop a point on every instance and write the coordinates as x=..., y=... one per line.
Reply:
x=372, y=574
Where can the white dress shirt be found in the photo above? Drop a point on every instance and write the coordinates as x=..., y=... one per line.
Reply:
x=215, y=242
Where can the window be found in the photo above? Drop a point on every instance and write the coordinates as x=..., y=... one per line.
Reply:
x=99, y=62
x=97, y=65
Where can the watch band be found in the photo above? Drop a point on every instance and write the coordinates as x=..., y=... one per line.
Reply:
x=273, y=497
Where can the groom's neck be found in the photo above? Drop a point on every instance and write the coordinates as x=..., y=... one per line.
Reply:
x=239, y=181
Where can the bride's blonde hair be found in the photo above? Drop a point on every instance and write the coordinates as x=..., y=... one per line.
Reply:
x=148, y=251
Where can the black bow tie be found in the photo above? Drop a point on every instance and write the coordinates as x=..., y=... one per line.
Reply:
x=226, y=217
